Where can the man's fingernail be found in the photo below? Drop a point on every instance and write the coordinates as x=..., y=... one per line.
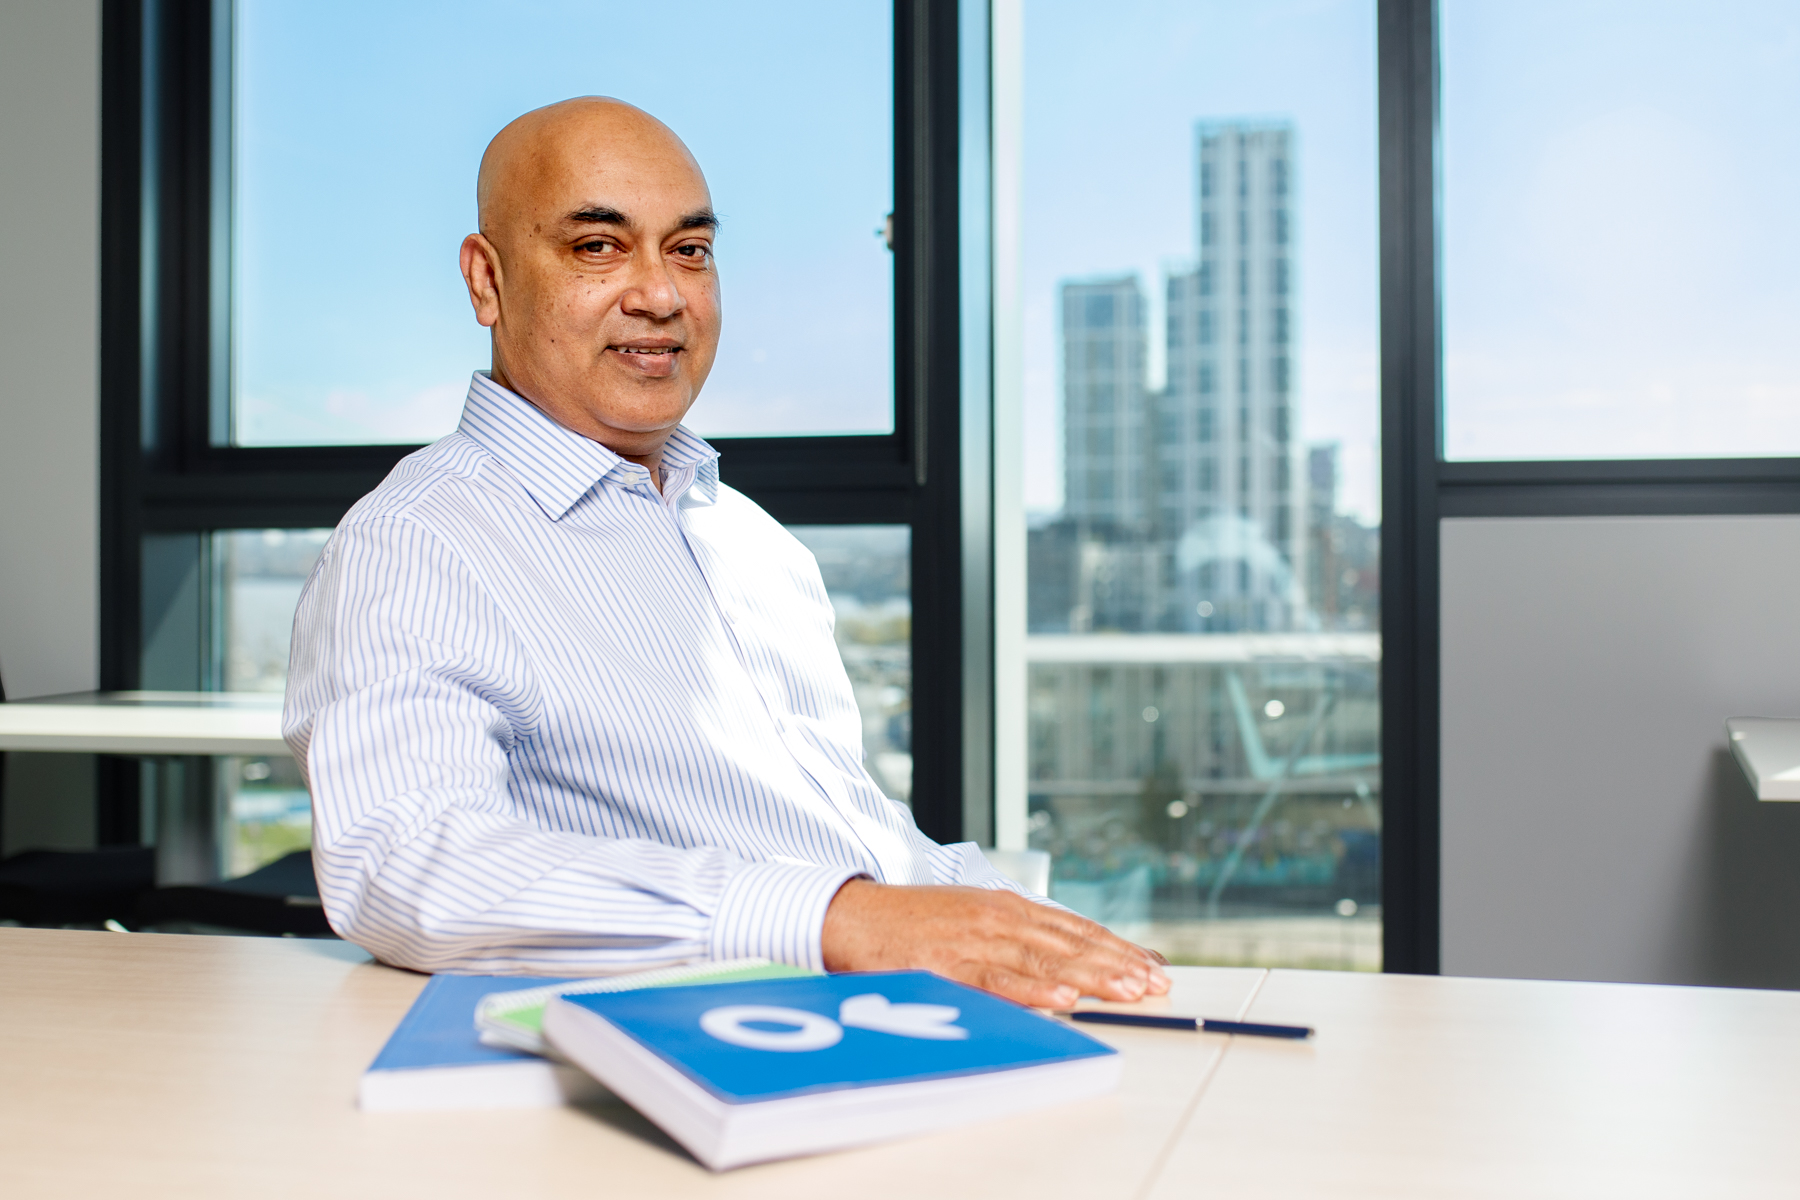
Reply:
x=1067, y=995
x=1130, y=985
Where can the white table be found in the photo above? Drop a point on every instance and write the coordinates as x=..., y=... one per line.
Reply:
x=1768, y=748
x=163, y=1066
x=158, y=723
x=168, y=729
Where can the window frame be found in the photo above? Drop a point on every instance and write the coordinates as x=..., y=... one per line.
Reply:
x=160, y=473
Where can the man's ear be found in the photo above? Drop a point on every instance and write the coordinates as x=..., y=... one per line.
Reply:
x=481, y=271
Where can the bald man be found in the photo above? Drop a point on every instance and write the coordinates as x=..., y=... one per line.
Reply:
x=568, y=704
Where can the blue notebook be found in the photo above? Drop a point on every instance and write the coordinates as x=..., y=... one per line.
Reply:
x=435, y=1058
x=747, y=1072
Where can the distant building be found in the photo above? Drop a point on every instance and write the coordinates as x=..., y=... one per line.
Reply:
x=1108, y=465
x=1231, y=492
x=1104, y=448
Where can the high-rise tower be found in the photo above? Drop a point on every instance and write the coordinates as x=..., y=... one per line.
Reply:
x=1229, y=504
x=1104, y=460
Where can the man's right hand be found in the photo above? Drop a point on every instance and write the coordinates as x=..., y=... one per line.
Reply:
x=995, y=940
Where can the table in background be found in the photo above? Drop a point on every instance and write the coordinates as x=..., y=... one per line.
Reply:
x=1768, y=748
x=173, y=731
x=156, y=1065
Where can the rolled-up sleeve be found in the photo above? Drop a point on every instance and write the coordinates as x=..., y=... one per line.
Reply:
x=407, y=691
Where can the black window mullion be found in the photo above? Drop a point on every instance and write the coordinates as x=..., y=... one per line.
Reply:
x=1410, y=850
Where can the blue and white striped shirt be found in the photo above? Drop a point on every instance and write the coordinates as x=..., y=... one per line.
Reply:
x=555, y=720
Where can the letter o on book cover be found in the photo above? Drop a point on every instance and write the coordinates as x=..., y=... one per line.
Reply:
x=736, y=1023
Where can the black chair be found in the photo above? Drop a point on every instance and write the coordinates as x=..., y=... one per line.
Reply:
x=75, y=887
x=72, y=887
x=282, y=897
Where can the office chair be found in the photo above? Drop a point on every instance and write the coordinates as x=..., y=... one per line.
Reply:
x=72, y=887
x=282, y=897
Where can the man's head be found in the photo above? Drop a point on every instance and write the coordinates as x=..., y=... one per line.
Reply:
x=594, y=269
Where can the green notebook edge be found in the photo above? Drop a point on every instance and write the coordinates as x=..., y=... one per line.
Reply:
x=516, y=1019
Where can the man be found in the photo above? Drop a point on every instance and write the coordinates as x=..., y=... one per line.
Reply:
x=568, y=704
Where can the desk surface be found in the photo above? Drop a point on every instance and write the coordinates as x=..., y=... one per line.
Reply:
x=145, y=723
x=155, y=1065
x=1768, y=748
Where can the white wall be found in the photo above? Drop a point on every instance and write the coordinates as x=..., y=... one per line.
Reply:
x=1594, y=826
x=49, y=343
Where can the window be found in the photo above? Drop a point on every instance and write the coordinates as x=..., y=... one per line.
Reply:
x=1621, y=266
x=379, y=348
x=242, y=415
x=1217, y=802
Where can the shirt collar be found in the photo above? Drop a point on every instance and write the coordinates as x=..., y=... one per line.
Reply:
x=558, y=466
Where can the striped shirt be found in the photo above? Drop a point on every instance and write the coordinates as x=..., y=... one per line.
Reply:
x=554, y=719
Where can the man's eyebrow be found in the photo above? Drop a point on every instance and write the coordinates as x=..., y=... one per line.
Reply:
x=599, y=214
x=700, y=218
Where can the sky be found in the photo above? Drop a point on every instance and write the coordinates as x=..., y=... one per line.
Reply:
x=360, y=128
x=1621, y=258
x=1112, y=95
x=1621, y=270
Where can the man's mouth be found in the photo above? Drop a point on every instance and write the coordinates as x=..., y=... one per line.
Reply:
x=651, y=360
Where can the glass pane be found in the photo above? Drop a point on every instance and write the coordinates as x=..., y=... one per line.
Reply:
x=1620, y=261
x=868, y=574
x=359, y=128
x=261, y=572
x=267, y=812
x=1201, y=415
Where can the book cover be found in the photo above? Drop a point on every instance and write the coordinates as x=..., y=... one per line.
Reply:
x=436, y=1060
x=744, y=1072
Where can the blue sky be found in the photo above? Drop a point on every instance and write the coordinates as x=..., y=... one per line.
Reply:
x=360, y=129
x=1621, y=267
x=1621, y=255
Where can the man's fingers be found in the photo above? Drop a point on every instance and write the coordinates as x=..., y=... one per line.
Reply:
x=1022, y=989
x=1089, y=955
x=995, y=940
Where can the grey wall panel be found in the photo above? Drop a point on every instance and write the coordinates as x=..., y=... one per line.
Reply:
x=1593, y=825
x=49, y=330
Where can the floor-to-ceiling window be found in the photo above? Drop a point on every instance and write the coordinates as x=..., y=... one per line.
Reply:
x=1197, y=366
x=291, y=183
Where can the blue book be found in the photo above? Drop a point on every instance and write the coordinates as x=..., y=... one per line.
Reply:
x=436, y=1059
x=746, y=1072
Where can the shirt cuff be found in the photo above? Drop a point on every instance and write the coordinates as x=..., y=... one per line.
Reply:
x=777, y=911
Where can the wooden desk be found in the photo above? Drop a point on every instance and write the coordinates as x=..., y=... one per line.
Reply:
x=152, y=1066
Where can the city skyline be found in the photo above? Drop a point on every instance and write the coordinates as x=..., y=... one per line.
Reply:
x=1187, y=506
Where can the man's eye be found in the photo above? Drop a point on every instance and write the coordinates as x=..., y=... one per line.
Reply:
x=599, y=247
x=695, y=252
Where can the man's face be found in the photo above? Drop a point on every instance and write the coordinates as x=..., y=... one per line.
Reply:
x=604, y=297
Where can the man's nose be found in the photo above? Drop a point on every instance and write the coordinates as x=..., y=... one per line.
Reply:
x=653, y=291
